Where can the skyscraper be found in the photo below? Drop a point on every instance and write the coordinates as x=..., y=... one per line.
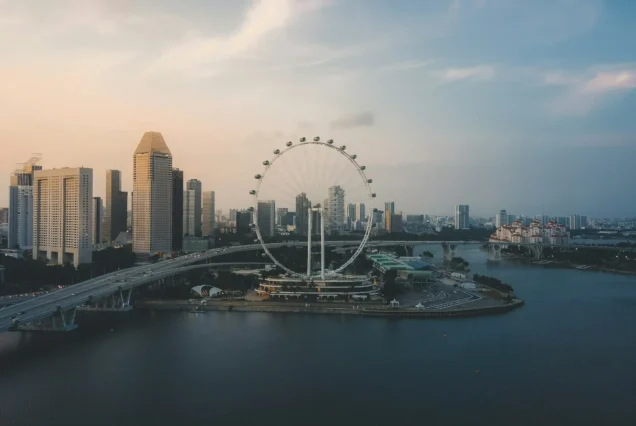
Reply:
x=209, y=213
x=266, y=217
x=396, y=222
x=501, y=219
x=97, y=220
x=115, y=216
x=152, y=195
x=196, y=186
x=335, y=209
x=4, y=215
x=360, y=212
x=20, y=217
x=389, y=211
x=62, y=218
x=177, y=209
x=243, y=220
x=462, y=218
x=302, y=213
x=575, y=222
x=189, y=200
x=281, y=216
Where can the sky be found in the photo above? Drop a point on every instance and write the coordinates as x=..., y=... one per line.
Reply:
x=524, y=105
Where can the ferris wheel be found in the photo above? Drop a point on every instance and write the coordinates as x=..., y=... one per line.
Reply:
x=313, y=189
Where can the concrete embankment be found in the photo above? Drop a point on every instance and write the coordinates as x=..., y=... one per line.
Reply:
x=344, y=310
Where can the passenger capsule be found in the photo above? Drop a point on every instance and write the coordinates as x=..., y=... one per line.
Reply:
x=343, y=147
x=373, y=195
x=303, y=139
x=363, y=167
x=317, y=139
x=330, y=141
x=252, y=192
x=251, y=209
x=289, y=143
x=369, y=180
x=257, y=176
x=276, y=151
x=252, y=225
x=354, y=156
x=266, y=163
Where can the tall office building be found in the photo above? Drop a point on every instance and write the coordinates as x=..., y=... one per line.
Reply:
x=266, y=217
x=209, y=213
x=116, y=213
x=361, y=215
x=243, y=221
x=302, y=213
x=196, y=186
x=378, y=219
x=335, y=209
x=281, y=216
x=501, y=219
x=152, y=195
x=583, y=221
x=396, y=222
x=20, y=217
x=97, y=220
x=189, y=208
x=62, y=215
x=462, y=218
x=389, y=211
x=4, y=215
x=177, y=210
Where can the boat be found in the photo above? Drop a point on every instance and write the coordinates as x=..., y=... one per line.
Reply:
x=196, y=310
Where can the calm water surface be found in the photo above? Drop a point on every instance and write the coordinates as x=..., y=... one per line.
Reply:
x=566, y=358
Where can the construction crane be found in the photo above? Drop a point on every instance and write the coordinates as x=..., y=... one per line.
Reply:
x=34, y=160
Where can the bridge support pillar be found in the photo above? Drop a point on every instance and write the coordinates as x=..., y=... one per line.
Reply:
x=60, y=321
x=537, y=251
x=449, y=251
x=116, y=302
x=494, y=252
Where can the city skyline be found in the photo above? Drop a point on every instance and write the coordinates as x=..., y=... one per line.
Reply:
x=407, y=82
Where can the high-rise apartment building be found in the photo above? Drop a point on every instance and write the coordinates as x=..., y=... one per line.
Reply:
x=97, y=220
x=20, y=219
x=575, y=222
x=302, y=213
x=266, y=214
x=209, y=213
x=389, y=211
x=335, y=209
x=462, y=217
x=116, y=203
x=501, y=219
x=152, y=195
x=189, y=208
x=177, y=210
x=62, y=217
x=196, y=186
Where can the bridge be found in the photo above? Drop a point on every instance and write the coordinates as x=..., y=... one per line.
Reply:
x=55, y=311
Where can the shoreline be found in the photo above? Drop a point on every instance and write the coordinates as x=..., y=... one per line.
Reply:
x=566, y=265
x=239, y=306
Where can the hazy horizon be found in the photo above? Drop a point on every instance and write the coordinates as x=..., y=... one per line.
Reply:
x=523, y=106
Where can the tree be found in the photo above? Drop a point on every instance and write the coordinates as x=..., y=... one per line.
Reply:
x=390, y=286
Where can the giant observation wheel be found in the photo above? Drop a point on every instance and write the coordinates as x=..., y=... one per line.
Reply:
x=301, y=173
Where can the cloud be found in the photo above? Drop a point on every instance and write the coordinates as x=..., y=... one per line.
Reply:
x=197, y=55
x=361, y=119
x=405, y=66
x=482, y=72
x=591, y=89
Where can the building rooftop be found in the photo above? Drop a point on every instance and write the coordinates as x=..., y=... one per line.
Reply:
x=152, y=142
